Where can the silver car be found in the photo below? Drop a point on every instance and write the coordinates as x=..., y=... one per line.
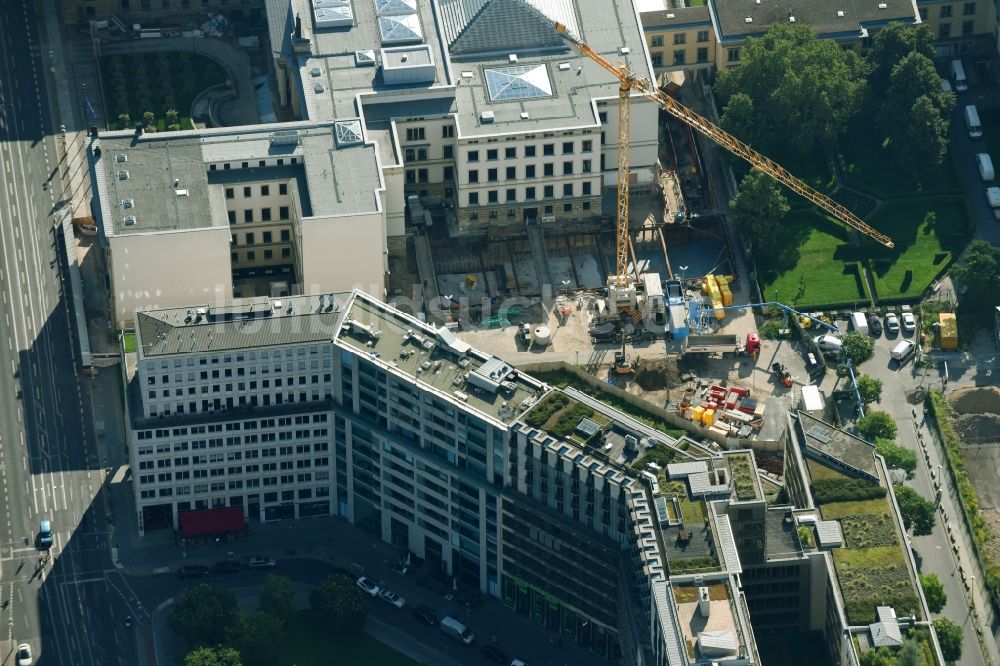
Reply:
x=891, y=322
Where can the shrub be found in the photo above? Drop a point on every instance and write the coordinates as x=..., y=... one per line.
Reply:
x=545, y=409
x=869, y=530
x=693, y=564
x=897, y=456
x=568, y=420
x=875, y=425
x=826, y=491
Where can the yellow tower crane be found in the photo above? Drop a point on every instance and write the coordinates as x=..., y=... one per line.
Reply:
x=621, y=287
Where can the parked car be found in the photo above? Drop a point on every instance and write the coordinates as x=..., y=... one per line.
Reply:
x=827, y=342
x=891, y=322
x=24, y=657
x=192, y=571
x=493, y=654
x=262, y=563
x=391, y=597
x=368, y=586
x=902, y=351
x=426, y=615
x=875, y=325
x=44, y=535
x=227, y=566
x=909, y=321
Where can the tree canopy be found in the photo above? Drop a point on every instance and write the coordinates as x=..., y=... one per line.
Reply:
x=934, y=591
x=877, y=425
x=213, y=656
x=896, y=455
x=341, y=603
x=205, y=615
x=917, y=512
x=758, y=210
x=914, y=111
x=258, y=638
x=869, y=388
x=891, y=44
x=805, y=89
x=979, y=272
x=858, y=347
x=277, y=597
x=950, y=636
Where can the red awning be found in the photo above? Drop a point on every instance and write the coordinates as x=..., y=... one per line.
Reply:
x=211, y=521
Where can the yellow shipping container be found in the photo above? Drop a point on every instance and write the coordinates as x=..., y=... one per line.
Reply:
x=719, y=314
x=727, y=297
x=710, y=284
x=709, y=417
x=948, y=329
x=696, y=414
x=721, y=280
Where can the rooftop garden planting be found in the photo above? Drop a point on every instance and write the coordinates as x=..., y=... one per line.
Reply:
x=741, y=467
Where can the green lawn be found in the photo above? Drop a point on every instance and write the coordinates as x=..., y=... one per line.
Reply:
x=922, y=250
x=156, y=82
x=836, y=510
x=310, y=643
x=692, y=511
x=808, y=274
x=128, y=339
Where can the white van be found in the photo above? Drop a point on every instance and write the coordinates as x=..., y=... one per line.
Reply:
x=985, y=165
x=901, y=351
x=860, y=322
x=456, y=630
x=993, y=197
x=958, y=76
x=827, y=342
x=972, y=121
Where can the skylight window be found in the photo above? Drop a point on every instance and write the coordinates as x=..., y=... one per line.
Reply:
x=518, y=82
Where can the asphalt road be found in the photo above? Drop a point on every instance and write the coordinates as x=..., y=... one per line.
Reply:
x=68, y=608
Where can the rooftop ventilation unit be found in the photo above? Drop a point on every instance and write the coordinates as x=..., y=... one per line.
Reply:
x=487, y=117
x=285, y=138
x=128, y=203
x=791, y=19
x=563, y=66
x=123, y=175
x=315, y=71
x=748, y=19
x=318, y=88
x=624, y=50
x=512, y=58
x=129, y=220
x=840, y=13
x=467, y=74
x=670, y=16
x=882, y=5
x=524, y=115
x=121, y=158
x=181, y=193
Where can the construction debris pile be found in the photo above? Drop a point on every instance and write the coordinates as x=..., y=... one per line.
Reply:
x=726, y=410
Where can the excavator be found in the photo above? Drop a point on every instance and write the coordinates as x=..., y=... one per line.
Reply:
x=622, y=293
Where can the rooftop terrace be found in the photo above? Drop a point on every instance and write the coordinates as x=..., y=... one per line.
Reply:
x=436, y=360
x=707, y=620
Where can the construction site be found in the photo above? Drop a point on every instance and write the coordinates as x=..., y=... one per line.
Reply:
x=648, y=290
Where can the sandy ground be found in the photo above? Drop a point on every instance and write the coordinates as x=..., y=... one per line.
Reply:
x=978, y=426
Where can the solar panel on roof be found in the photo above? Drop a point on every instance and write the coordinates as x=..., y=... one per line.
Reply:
x=518, y=82
x=820, y=433
x=661, y=509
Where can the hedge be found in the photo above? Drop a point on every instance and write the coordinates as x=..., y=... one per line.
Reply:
x=826, y=491
x=537, y=417
x=570, y=418
x=980, y=530
x=693, y=564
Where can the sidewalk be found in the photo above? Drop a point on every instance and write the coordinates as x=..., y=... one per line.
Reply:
x=334, y=541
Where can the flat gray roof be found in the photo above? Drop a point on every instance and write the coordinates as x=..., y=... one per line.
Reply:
x=245, y=323
x=839, y=17
x=826, y=441
x=342, y=181
x=144, y=172
x=403, y=344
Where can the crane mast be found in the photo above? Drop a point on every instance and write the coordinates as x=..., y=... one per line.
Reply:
x=629, y=82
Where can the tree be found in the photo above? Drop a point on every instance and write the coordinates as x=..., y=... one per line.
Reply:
x=739, y=119
x=213, y=656
x=896, y=455
x=891, y=44
x=204, y=615
x=910, y=654
x=124, y=119
x=917, y=512
x=858, y=347
x=343, y=606
x=258, y=638
x=875, y=425
x=811, y=84
x=148, y=118
x=934, y=591
x=171, y=115
x=882, y=656
x=979, y=272
x=869, y=388
x=950, y=636
x=924, y=140
x=277, y=597
x=758, y=210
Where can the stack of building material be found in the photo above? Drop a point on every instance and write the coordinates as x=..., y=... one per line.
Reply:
x=711, y=288
x=723, y=281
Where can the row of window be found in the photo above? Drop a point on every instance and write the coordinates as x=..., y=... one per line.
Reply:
x=548, y=169
x=251, y=255
x=149, y=367
x=548, y=191
x=220, y=486
x=680, y=56
x=250, y=238
x=264, y=369
x=548, y=149
x=546, y=210
x=232, y=426
x=679, y=38
x=246, y=165
x=229, y=403
x=265, y=214
x=240, y=386
x=265, y=191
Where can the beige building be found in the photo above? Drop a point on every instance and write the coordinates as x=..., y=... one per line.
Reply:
x=711, y=36
x=215, y=214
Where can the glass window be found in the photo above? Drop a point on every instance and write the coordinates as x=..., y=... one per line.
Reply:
x=680, y=38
